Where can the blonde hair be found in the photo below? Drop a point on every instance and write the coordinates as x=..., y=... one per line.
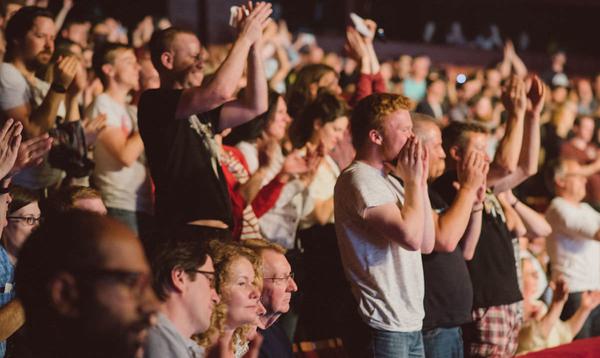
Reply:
x=223, y=256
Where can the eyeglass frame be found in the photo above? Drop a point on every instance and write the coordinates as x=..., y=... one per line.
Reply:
x=286, y=279
x=210, y=276
x=136, y=281
x=29, y=220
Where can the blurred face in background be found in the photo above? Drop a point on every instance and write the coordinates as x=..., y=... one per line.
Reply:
x=278, y=124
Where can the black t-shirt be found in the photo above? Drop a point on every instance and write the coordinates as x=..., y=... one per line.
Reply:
x=492, y=269
x=276, y=343
x=189, y=181
x=448, y=291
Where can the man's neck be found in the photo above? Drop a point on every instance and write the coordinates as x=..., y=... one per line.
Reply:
x=118, y=92
x=174, y=310
x=268, y=319
x=170, y=83
x=27, y=71
x=371, y=156
x=569, y=199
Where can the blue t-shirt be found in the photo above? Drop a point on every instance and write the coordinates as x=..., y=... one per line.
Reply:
x=7, y=291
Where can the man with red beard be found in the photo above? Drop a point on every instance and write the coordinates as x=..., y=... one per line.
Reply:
x=86, y=288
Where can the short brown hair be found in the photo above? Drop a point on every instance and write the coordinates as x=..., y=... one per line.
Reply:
x=161, y=41
x=65, y=198
x=106, y=54
x=456, y=133
x=369, y=112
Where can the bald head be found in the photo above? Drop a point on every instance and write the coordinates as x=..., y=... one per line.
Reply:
x=424, y=126
x=83, y=277
x=427, y=130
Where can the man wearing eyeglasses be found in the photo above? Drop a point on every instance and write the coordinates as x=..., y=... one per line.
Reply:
x=184, y=281
x=86, y=289
x=278, y=286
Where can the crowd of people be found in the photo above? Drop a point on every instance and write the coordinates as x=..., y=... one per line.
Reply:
x=161, y=198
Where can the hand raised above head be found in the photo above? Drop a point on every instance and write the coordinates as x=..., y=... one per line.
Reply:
x=536, y=95
x=514, y=96
x=251, y=26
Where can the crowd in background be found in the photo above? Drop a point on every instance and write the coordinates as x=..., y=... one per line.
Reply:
x=224, y=160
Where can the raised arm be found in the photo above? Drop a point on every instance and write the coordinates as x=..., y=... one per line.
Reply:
x=451, y=225
x=223, y=86
x=507, y=157
x=530, y=149
x=403, y=225
x=589, y=301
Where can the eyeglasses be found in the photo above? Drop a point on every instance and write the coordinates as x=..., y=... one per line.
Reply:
x=210, y=276
x=29, y=220
x=137, y=282
x=280, y=280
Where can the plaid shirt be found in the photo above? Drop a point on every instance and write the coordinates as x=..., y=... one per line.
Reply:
x=7, y=291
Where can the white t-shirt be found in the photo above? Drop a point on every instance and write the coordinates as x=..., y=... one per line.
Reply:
x=321, y=188
x=573, y=252
x=386, y=279
x=15, y=91
x=127, y=188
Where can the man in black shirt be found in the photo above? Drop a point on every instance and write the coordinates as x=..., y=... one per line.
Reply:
x=178, y=121
x=448, y=290
x=496, y=296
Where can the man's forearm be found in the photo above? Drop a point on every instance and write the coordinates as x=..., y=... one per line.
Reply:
x=530, y=150
x=472, y=234
x=428, y=225
x=228, y=75
x=43, y=118
x=413, y=215
x=453, y=222
x=12, y=318
x=257, y=91
x=509, y=150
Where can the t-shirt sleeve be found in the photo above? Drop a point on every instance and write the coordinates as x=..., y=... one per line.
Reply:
x=13, y=88
x=102, y=105
x=370, y=191
x=577, y=224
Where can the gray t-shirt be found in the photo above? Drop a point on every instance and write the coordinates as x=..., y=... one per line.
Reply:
x=164, y=341
x=15, y=91
x=386, y=279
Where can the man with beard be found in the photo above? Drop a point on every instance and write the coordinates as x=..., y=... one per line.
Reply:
x=178, y=121
x=86, y=288
x=27, y=99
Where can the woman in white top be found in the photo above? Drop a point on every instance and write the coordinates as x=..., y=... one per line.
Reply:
x=322, y=125
x=279, y=224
